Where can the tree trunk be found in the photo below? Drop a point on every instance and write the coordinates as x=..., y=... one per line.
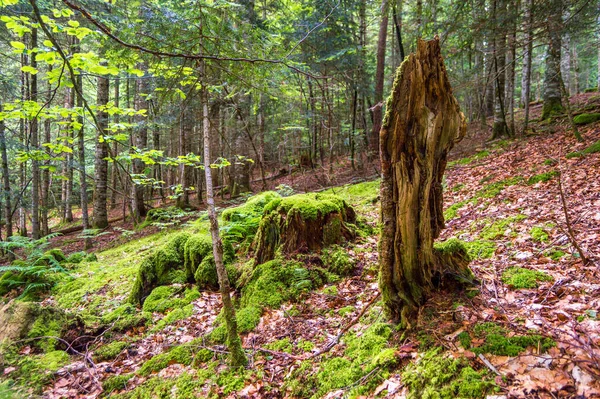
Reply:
x=45, y=192
x=500, y=127
x=552, y=93
x=379, y=78
x=85, y=219
x=115, y=149
x=67, y=186
x=6, y=182
x=234, y=344
x=35, y=142
x=100, y=162
x=141, y=141
x=527, y=59
x=422, y=124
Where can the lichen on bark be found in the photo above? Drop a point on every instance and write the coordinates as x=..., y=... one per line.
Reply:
x=422, y=124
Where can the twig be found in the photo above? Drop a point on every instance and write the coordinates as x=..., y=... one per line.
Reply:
x=489, y=365
x=343, y=331
x=571, y=233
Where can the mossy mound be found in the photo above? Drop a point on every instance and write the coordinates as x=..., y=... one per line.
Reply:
x=584, y=119
x=302, y=223
x=164, y=298
x=200, y=264
x=543, y=177
x=436, y=375
x=162, y=267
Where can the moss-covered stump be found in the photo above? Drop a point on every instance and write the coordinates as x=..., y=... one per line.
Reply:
x=300, y=223
x=200, y=263
x=163, y=267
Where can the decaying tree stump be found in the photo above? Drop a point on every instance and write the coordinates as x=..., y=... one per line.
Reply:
x=302, y=223
x=422, y=124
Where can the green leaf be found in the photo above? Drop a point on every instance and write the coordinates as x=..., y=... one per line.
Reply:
x=18, y=45
x=29, y=69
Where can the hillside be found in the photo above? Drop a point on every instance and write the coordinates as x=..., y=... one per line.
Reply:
x=316, y=327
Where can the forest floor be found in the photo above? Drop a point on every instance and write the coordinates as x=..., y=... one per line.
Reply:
x=530, y=328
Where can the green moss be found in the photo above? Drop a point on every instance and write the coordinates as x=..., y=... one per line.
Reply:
x=331, y=290
x=550, y=162
x=125, y=317
x=543, y=177
x=337, y=260
x=231, y=380
x=110, y=351
x=48, y=323
x=173, y=316
x=115, y=383
x=468, y=160
x=465, y=339
x=282, y=345
x=519, y=277
x=254, y=206
x=57, y=254
x=362, y=195
x=179, y=355
x=539, y=234
x=305, y=346
x=584, y=119
x=481, y=249
x=362, y=355
x=452, y=211
x=33, y=372
x=498, y=228
x=164, y=298
x=248, y=318
x=451, y=246
x=556, y=255
x=588, y=150
x=346, y=310
x=498, y=342
x=186, y=386
x=552, y=107
x=308, y=206
x=435, y=375
x=493, y=189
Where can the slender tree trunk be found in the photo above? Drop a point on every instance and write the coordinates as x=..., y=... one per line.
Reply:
x=511, y=54
x=100, y=162
x=22, y=166
x=6, y=181
x=141, y=142
x=527, y=59
x=35, y=143
x=552, y=92
x=115, y=149
x=421, y=126
x=500, y=127
x=379, y=78
x=183, y=201
x=234, y=344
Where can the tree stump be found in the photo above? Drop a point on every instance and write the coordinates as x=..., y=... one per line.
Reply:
x=303, y=223
x=422, y=124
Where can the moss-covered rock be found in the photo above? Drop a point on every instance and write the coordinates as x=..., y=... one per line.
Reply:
x=305, y=222
x=20, y=320
x=584, y=119
x=162, y=267
x=164, y=298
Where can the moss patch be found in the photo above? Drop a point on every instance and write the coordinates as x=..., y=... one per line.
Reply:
x=436, y=375
x=33, y=372
x=186, y=386
x=115, y=383
x=497, y=341
x=468, y=160
x=584, y=119
x=499, y=228
x=110, y=350
x=519, y=277
x=543, y=177
x=588, y=150
x=179, y=355
x=539, y=234
x=337, y=260
x=164, y=298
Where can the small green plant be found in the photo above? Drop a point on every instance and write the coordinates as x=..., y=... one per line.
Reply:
x=35, y=270
x=519, y=277
x=539, y=234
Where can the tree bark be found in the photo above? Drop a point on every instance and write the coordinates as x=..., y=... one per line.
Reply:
x=6, y=182
x=552, y=93
x=141, y=142
x=500, y=127
x=527, y=59
x=100, y=162
x=115, y=148
x=34, y=136
x=379, y=77
x=234, y=344
x=422, y=124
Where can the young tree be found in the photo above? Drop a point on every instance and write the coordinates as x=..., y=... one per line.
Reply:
x=379, y=77
x=552, y=93
x=422, y=123
x=100, y=161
